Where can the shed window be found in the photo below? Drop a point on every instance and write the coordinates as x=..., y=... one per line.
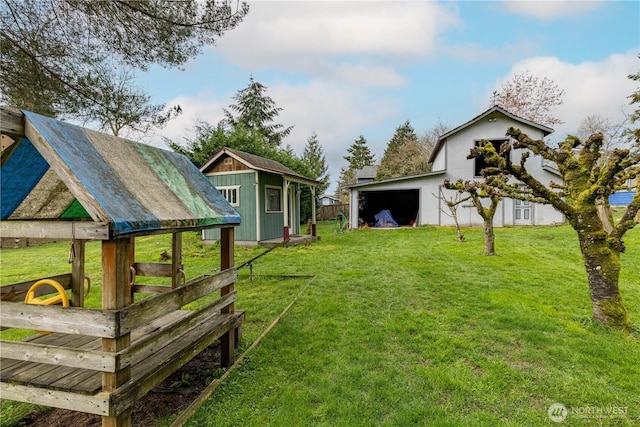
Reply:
x=274, y=199
x=232, y=194
x=480, y=162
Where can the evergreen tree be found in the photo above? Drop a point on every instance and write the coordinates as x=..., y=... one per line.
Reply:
x=359, y=154
x=256, y=112
x=52, y=53
x=403, y=133
x=396, y=155
x=406, y=154
x=314, y=158
x=347, y=177
x=313, y=155
x=633, y=134
x=208, y=140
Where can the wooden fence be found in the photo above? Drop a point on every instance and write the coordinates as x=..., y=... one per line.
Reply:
x=330, y=212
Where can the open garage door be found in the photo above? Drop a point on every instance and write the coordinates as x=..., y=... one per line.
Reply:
x=403, y=204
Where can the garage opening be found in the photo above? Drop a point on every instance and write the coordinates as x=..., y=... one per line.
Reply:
x=403, y=204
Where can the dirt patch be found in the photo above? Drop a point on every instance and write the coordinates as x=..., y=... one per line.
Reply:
x=172, y=396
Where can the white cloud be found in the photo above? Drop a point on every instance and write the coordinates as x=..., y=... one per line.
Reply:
x=506, y=53
x=366, y=75
x=337, y=112
x=591, y=87
x=300, y=35
x=550, y=10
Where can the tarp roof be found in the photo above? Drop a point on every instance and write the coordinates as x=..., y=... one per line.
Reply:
x=60, y=171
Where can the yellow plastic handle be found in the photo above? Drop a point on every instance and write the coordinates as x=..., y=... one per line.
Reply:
x=62, y=294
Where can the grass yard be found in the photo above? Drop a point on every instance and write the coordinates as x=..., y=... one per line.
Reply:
x=409, y=327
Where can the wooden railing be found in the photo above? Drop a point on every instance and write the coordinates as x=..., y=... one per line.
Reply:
x=163, y=338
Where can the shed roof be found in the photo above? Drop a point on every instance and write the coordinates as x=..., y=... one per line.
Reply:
x=259, y=163
x=60, y=171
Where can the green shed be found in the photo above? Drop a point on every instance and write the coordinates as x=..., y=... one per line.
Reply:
x=265, y=193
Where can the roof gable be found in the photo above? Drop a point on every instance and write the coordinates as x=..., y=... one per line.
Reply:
x=255, y=162
x=62, y=171
x=493, y=110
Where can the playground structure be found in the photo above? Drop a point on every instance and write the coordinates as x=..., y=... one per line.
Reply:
x=62, y=181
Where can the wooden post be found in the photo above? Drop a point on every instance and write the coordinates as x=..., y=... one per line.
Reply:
x=116, y=294
x=227, y=341
x=285, y=210
x=313, y=210
x=77, y=273
x=176, y=260
x=132, y=261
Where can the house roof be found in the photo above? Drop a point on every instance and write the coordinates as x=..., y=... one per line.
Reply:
x=369, y=171
x=259, y=163
x=60, y=171
x=495, y=109
x=371, y=184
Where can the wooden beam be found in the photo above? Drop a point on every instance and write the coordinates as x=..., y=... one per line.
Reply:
x=11, y=122
x=227, y=260
x=98, y=404
x=176, y=261
x=86, y=230
x=116, y=294
x=152, y=269
x=18, y=291
x=60, y=356
x=148, y=309
x=77, y=272
x=157, y=340
x=68, y=320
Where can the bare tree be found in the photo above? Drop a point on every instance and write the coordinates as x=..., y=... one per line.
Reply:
x=453, y=204
x=612, y=132
x=530, y=97
x=479, y=190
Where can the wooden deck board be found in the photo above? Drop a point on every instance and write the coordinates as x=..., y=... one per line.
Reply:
x=82, y=380
x=41, y=375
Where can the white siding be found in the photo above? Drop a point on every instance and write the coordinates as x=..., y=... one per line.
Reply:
x=452, y=159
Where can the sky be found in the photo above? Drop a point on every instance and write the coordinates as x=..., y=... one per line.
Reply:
x=343, y=69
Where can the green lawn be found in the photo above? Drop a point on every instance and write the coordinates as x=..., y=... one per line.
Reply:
x=409, y=327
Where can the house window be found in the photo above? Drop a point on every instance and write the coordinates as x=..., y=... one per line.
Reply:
x=480, y=162
x=232, y=194
x=274, y=199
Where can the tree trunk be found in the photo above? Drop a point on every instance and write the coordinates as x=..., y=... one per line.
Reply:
x=489, y=237
x=603, y=271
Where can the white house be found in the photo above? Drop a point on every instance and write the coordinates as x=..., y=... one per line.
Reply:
x=328, y=199
x=418, y=198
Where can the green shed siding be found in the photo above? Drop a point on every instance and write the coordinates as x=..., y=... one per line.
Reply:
x=247, y=206
x=271, y=223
